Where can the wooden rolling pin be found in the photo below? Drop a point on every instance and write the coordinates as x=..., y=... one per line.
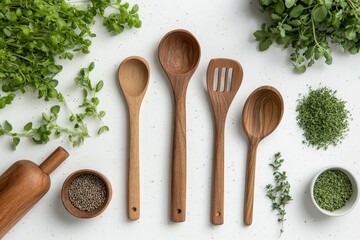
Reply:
x=23, y=185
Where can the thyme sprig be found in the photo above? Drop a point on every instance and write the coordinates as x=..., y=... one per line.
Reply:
x=279, y=193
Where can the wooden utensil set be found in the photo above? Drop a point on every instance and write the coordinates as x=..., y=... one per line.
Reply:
x=179, y=56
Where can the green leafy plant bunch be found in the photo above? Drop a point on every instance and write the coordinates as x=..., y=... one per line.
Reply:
x=34, y=33
x=310, y=28
x=49, y=124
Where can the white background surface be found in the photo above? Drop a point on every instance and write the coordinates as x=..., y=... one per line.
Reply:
x=224, y=29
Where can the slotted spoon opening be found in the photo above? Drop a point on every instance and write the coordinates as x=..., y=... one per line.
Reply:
x=222, y=79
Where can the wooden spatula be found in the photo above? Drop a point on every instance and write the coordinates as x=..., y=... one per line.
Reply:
x=224, y=77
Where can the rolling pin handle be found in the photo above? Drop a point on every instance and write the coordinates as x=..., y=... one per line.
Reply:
x=54, y=160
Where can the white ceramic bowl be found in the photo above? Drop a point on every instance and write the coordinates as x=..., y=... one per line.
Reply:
x=350, y=203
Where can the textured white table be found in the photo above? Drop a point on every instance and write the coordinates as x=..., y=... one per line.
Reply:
x=224, y=29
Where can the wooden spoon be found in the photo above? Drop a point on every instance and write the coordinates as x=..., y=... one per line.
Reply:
x=261, y=115
x=133, y=77
x=179, y=55
x=224, y=77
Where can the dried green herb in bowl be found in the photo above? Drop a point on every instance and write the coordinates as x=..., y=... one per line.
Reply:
x=323, y=117
x=334, y=191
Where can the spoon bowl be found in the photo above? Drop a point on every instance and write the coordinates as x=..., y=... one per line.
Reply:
x=179, y=52
x=133, y=77
x=179, y=55
x=261, y=115
x=262, y=112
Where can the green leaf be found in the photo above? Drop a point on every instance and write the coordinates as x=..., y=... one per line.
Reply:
x=289, y=3
x=54, y=83
x=16, y=142
x=99, y=86
x=295, y=22
x=45, y=117
x=319, y=13
x=328, y=57
x=260, y=34
x=264, y=44
x=28, y=126
x=91, y=66
x=11, y=16
x=266, y=2
x=55, y=109
x=300, y=69
x=102, y=114
x=328, y=3
x=297, y=11
x=287, y=27
x=134, y=9
x=353, y=50
x=275, y=17
x=103, y=129
x=54, y=68
x=95, y=101
x=279, y=7
x=282, y=32
x=8, y=127
x=350, y=33
x=309, y=52
x=1, y=131
x=308, y=2
x=7, y=32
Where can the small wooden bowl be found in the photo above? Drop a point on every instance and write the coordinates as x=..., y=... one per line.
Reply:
x=66, y=200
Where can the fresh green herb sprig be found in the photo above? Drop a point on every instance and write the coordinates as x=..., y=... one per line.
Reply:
x=309, y=26
x=91, y=101
x=323, y=117
x=49, y=124
x=332, y=189
x=34, y=33
x=279, y=194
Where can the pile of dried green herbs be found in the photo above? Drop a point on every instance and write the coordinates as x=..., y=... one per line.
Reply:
x=310, y=28
x=35, y=33
x=279, y=193
x=323, y=117
x=332, y=189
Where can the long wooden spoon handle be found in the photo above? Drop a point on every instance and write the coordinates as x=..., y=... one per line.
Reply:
x=217, y=211
x=133, y=164
x=250, y=180
x=178, y=175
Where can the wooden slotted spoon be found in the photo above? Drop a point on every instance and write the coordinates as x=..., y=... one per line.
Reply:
x=224, y=77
